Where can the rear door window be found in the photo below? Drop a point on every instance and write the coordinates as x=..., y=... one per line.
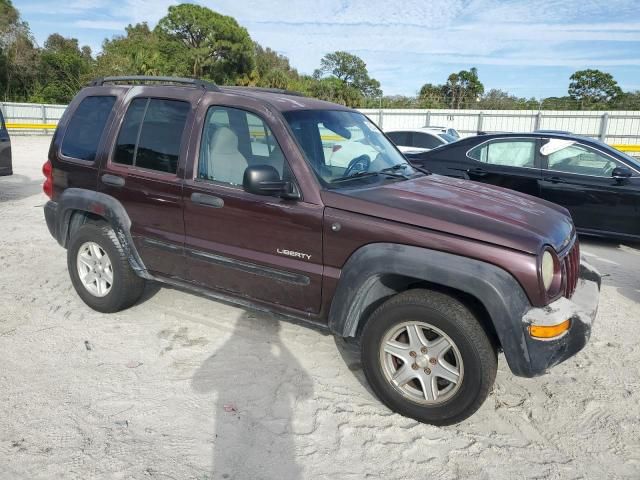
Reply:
x=424, y=140
x=512, y=153
x=86, y=126
x=399, y=138
x=151, y=134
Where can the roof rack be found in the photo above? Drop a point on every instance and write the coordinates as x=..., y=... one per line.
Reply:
x=150, y=78
x=267, y=90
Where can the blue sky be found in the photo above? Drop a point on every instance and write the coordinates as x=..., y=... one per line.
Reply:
x=529, y=48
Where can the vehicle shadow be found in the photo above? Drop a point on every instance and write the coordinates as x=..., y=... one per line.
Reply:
x=618, y=262
x=349, y=349
x=16, y=187
x=258, y=382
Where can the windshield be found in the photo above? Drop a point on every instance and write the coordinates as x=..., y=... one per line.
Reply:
x=447, y=138
x=344, y=147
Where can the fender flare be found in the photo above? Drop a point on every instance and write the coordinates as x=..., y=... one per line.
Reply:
x=370, y=274
x=104, y=206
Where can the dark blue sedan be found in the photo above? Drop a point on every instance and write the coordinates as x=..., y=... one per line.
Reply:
x=598, y=184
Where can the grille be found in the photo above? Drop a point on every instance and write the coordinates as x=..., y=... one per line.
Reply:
x=571, y=265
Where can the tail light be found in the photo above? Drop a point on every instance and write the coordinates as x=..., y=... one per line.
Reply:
x=47, y=186
x=336, y=148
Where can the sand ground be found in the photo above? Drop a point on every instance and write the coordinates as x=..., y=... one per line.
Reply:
x=181, y=386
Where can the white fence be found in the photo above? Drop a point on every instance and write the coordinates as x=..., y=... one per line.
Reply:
x=613, y=127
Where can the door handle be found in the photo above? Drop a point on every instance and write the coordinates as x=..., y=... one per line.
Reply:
x=112, y=180
x=553, y=179
x=481, y=172
x=207, y=200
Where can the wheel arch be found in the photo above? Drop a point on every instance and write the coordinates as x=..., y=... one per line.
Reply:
x=76, y=206
x=378, y=271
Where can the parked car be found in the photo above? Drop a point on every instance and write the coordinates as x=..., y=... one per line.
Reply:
x=432, y=275
x=598, y=184
x=6, y=166
x=419, y=139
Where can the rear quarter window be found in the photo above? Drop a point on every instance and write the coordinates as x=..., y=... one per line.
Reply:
x=86, y=126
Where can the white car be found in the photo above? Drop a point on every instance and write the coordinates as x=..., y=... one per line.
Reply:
x=413, y=140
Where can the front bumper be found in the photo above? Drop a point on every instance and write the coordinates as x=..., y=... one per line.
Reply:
x=581, y=310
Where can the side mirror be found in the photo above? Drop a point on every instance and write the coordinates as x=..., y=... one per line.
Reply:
x=265, y=180
x=621, y=173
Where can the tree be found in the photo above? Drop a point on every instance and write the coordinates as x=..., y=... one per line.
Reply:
x=18, y=54
x=63, y=69
x=196, y=41
x=272, y=69
x=593, y=88
x=432, y=96
x=351, y=70
x=463, y=87
x=136, y=53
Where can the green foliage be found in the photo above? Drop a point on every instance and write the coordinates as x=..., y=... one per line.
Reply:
x=135, y=53
x=496, y=99
x=593, y=88
x=63, y=69
x=351, y=71
x=196, y=41
x=18, y=55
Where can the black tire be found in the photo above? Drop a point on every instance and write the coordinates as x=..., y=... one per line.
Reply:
x=446, y=313
x=127, y=287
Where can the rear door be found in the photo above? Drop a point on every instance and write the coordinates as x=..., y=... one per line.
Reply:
x=261, y=247
x=579, y=178
x=144, y=172
x=425, y=140
x=506, y=162
x=5, y=149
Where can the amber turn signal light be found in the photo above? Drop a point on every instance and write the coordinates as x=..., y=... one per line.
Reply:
x=549, y=331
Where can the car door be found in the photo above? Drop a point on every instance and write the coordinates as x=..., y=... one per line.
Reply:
x=579, y=177
x=400, y=138
x=5, y=149
x=425, y=140
x=144, y=171
x=264, y=248
x=507, y=162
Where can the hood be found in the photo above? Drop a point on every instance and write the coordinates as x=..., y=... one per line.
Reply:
x=464, y=208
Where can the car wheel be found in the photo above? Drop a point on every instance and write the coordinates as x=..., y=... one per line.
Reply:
x=100, y=271
x=427, y=357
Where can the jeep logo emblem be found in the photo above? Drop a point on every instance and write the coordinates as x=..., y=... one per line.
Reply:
x=291, y=253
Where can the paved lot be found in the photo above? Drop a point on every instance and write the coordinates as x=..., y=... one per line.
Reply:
x=184, y=387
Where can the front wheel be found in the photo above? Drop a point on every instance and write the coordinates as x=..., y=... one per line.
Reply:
x=427, y=357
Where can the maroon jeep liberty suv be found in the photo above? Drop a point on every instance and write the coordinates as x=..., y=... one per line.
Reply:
x=304, y=208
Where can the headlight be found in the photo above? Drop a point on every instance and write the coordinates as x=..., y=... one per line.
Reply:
x=547, y=269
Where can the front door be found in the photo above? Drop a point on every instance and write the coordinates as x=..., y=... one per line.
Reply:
x=143, y=174
x=261, y=247
x=580, y=179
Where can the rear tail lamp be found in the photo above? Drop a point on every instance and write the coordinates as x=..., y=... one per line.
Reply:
x=47, y=186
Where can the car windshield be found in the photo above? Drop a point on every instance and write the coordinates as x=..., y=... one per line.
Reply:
x=344, y=147
x=447, y=138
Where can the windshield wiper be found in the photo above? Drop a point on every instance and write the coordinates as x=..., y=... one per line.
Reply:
x=403, y=166
x=354, y=176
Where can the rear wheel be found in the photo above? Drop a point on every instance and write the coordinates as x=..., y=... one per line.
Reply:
x=427, y=357
x=100, y=271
